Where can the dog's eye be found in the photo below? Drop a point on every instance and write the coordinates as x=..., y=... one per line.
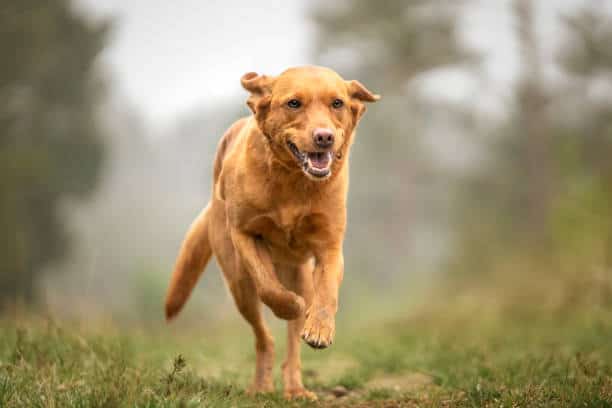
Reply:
x=294, y=103
x=337, y=103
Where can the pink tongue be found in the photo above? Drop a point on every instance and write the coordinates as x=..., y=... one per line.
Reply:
x=320, y=160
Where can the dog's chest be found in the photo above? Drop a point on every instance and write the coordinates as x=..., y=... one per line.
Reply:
x=288, y=218
x=289, y=223
x=284, y=226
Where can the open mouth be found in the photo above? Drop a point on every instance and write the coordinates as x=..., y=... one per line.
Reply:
x=316, y=164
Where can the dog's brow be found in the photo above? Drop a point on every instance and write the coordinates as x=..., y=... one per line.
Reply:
x=301, y=96
x=285, y=95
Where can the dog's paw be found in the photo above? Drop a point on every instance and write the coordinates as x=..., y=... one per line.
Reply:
x=260, y=388
x=319, y=328
x=285, y=305
x=299, y=393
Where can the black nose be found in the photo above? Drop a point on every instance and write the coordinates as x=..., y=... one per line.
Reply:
x=323, y=137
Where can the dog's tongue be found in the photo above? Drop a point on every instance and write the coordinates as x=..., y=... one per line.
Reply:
x=319, y=160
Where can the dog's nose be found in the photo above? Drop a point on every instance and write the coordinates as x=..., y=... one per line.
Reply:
x=323, y=137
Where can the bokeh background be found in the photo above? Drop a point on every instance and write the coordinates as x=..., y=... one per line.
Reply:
x=482, y=179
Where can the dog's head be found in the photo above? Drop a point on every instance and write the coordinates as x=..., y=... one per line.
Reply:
x=308, y=114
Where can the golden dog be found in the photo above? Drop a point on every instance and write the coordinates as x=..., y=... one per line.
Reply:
x=277, y=215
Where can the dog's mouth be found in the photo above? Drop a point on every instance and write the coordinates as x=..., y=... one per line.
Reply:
x=315, y=164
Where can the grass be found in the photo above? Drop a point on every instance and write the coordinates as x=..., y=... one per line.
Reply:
x=440, y=357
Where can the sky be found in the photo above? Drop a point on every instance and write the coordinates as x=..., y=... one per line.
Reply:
x=168, y=58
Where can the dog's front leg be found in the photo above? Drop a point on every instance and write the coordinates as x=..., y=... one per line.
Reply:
x=319, y=327
x=255, y=256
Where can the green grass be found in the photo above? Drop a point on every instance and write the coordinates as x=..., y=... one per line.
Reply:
x=438, y=358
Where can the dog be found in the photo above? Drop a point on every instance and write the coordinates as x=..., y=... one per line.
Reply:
x=277, y=216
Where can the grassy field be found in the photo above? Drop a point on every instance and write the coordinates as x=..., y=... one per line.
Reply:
x=438, y=357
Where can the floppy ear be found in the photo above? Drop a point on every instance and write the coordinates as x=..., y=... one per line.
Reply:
x=260, y=87
x=359, y=94
x=358, y=91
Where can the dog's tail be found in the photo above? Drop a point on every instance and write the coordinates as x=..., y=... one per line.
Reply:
x=194, y=255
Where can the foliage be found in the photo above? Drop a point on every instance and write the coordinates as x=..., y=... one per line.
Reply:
x=544, y=189
x=587, y=51
x=401, y=39
x=50, y=140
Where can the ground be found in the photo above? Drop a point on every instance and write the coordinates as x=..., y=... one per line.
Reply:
x=434, y=358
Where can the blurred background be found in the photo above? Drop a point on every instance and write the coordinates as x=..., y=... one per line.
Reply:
x=484, y=176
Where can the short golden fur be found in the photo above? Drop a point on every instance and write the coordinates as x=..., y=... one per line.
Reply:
x=277, y=216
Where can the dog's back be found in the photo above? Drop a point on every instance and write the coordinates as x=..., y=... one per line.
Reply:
x=225, y=145
x=197, y=251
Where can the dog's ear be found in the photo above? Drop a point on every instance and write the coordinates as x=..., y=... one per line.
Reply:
x=358, y=91
x=359, y=94
x=260, y=87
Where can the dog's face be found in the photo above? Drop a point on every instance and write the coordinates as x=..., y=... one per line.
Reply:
x=308, y=114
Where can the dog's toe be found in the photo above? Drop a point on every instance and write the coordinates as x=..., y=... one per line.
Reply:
x=300, y=393
x=319, y=329
x=261, y=388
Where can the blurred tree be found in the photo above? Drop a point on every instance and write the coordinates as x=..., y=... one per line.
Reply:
x=505, y=202
x=50, y=141
x=586, y=121
x=587, y=52
x=390, y=42
x=544, y=191
x=532, y=130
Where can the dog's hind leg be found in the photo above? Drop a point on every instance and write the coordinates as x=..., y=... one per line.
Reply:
x=243, y=290
x=253, y=253
x=249, y=305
